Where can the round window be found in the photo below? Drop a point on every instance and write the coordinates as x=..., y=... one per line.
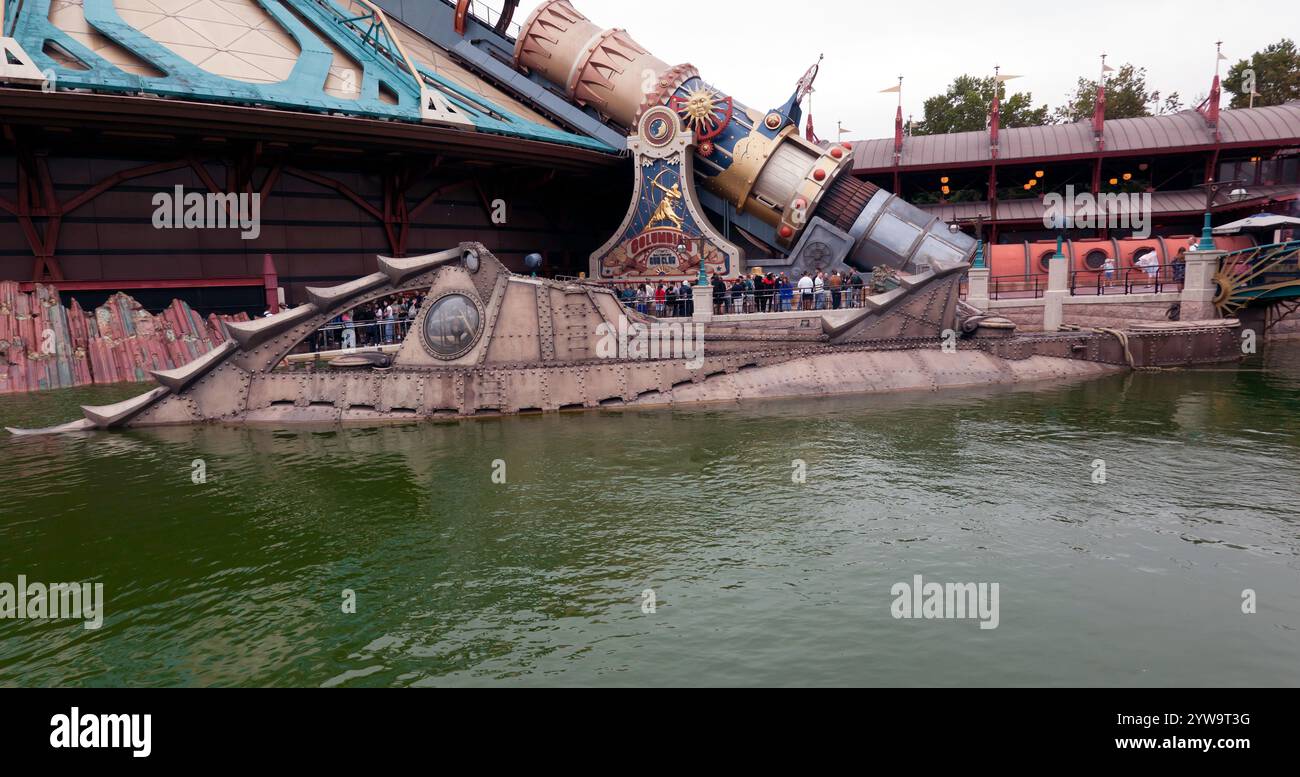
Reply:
x=452, y=326
x=470, y=260
x=1095, y=259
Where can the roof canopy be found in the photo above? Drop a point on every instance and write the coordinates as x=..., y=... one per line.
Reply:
x=1273, y=125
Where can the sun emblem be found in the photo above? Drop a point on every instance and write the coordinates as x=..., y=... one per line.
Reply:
x=705, y=111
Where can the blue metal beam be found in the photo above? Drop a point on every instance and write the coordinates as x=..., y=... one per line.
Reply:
x=435, y=20
x=303, y=89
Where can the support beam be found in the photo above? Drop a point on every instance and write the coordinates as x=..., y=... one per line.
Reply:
x=508, y=8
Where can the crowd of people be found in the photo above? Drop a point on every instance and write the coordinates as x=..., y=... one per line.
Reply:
x=386, y=321
x=761, y=292
x=382, y=322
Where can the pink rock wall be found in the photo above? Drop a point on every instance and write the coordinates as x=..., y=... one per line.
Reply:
x=44, y=345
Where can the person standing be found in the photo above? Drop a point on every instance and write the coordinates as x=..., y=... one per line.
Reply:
x=349, y=331
x=806, y=292
x=855, y=285
x=1149, y=263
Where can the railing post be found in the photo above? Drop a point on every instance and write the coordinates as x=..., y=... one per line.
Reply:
x=1057, y=290
x=1197, y=299
x=702, y=297
x=977, y=287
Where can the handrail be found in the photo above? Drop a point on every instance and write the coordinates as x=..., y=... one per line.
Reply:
x=1130, y=279
x=502, y=25
x=1001, y=285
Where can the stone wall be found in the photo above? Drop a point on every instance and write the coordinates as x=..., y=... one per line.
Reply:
x=1118, y=311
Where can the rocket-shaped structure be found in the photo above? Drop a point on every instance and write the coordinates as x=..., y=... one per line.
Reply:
x=753, y=160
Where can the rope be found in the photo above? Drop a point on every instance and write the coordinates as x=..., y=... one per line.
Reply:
x=1120, y=335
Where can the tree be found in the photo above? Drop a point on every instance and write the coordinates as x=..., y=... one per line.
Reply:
x=1277, y=76
x=965, y=108
x=1126, y=98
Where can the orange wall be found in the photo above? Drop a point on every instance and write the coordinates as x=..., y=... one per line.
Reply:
x=1010, y=258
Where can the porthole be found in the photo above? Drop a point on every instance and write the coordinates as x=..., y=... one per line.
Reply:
x=452, y=325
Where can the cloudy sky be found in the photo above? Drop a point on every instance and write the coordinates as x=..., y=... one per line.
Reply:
x=757, y=49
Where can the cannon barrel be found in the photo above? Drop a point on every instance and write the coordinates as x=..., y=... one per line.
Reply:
x=755, y=160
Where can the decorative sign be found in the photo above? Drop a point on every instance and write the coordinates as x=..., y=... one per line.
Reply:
x=664, y=234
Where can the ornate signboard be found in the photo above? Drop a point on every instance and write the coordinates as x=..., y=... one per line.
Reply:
x=664, y=234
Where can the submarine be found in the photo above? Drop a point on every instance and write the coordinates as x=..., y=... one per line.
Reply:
x=490, y=342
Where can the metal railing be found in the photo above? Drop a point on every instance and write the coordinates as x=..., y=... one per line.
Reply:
x=1132, y=280
x=360, y=334
x=765, y=301
x=780, y=300
x=1017, y=286
x=489, y=14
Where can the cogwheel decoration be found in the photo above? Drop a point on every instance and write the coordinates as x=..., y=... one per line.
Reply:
x=1249, y=274
x=706, y=112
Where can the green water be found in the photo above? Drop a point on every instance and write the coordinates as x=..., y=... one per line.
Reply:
x=757, y=580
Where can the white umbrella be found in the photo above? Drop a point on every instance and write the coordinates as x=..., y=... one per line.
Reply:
x=1258, y=221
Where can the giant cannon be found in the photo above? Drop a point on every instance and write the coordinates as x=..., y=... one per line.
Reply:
x=816, y=212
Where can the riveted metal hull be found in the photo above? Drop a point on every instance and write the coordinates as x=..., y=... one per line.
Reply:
x=527, y=344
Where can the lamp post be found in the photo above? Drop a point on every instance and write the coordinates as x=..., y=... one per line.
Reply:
x=1212, y=189
x=978, y=259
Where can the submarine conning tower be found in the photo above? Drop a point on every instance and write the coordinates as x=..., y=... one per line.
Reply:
x=755, y=161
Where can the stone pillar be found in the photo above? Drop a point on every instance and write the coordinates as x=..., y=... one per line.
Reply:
x=702, y=296
x=977, y=287
x=1058, y=288
x=1197, y=301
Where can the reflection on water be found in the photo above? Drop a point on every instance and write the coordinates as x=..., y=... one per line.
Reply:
x=458, y=580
